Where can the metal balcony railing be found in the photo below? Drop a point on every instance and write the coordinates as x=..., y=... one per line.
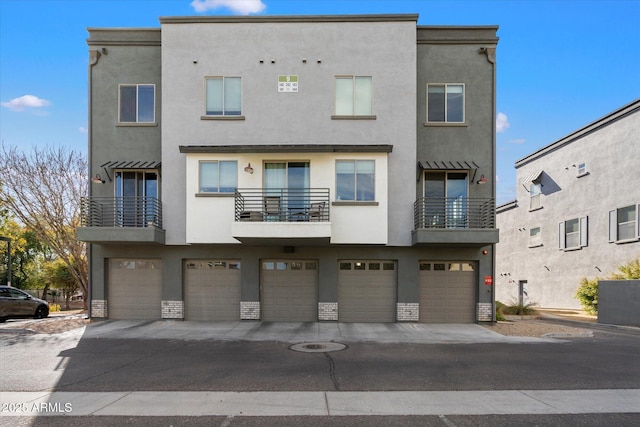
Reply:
x=121, y=212
x=451, y=212
x=282, y=205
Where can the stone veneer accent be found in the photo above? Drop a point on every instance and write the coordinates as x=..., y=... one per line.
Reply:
x=328, y=311
x=172, y=309
x=250, y=310
x=408, y=311
x=99, y=308
x=484, y=312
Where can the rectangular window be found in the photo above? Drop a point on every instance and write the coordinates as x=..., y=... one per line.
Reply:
x=572, y=234
x=223, y=96
x=355, y=180
x=582, y=169
x=535, y=238
x=218, y=176
x=535, y=191
x=623, y=224
x=445, y=103
x=137, y=104
x=354, y=96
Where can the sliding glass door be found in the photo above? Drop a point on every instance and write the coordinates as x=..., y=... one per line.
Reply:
x=286, y=189
x=446, y=197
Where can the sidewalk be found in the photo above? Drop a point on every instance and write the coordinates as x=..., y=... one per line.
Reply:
x=320, y=403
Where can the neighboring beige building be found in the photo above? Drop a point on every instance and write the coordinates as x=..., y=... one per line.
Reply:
x=576, y=213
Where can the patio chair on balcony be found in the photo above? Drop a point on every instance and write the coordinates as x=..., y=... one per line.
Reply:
x=273, y=208
x=317, y=211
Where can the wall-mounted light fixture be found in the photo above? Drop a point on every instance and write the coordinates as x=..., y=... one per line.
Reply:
x=248, y=169
x=97, y=179
x=483, y=180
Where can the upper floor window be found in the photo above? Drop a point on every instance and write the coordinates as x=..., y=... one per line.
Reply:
x=223, y=96
x=445, y=103
x=535, y=237
x=572, y=234
x=354, y=96
x=355, y=180
x=623, y=224
x=218, y=176
x=137, y=103
x=535, y=193
x=582, y=169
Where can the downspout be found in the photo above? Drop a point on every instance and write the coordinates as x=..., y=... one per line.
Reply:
x=94, y=55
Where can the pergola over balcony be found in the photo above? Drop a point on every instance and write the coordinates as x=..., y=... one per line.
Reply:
x=454, y=221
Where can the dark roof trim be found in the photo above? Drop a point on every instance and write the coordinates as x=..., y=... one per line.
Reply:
x=304, y=148
x=632, y=107
x=448, y=165
x=131, y=164
x=283, y=19
x=477, y=34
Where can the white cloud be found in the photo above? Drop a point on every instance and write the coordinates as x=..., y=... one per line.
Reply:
x=83, y=129
x=24, y=102
x=502, y=122
x=241, y=7
x=519, y=141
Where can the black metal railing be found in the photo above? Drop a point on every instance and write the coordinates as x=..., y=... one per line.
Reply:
x=121, y=212
x=451, y=212
x=282, y=205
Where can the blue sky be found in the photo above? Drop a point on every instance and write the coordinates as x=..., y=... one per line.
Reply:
x=561, y=64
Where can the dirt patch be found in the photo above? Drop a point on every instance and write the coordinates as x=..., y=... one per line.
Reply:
x=534, y=328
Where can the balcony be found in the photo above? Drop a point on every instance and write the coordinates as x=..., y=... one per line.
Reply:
x=121, y=220
x=290, y=217
x=454, y=221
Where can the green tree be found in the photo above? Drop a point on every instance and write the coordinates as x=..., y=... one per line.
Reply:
x=60, y=277
x=42, y=189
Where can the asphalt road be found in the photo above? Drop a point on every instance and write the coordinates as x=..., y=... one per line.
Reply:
x=62, y=363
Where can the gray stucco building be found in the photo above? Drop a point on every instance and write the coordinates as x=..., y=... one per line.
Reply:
x=576, y=213
x=299, y=168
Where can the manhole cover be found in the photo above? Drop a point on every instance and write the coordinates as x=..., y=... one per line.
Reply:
x=317, y=347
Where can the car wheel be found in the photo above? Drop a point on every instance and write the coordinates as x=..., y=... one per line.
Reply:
x=3, y=319
x=41, y=312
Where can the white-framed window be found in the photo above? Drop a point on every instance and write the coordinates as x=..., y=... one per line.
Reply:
x=136, y=103
x=623, y=224
x=355, y=180
x=445, y=103
x=535, y=237
x=218, y=176
x=572, y=234
x=354, y=96
x=223, y=96
x=535, y=195
x=582, y=169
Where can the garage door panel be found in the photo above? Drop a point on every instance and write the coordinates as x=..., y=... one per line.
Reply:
x=212, y=290
x=289, y=291
x=134, y=290
x=447, y=295
x=367, y=292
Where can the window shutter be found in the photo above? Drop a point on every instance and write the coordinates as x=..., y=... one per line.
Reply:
x=562, y=237
x=613, y=226
x=583, y=231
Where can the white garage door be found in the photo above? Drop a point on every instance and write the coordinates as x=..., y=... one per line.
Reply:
x=134, y=289
x=447, y=292
x=212, y=290
x=367, y=291
x=289, y=290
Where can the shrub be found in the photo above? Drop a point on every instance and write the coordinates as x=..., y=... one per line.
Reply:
x=629, y=271
x=515, y=308
x=587, y=294
x=54, y=307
